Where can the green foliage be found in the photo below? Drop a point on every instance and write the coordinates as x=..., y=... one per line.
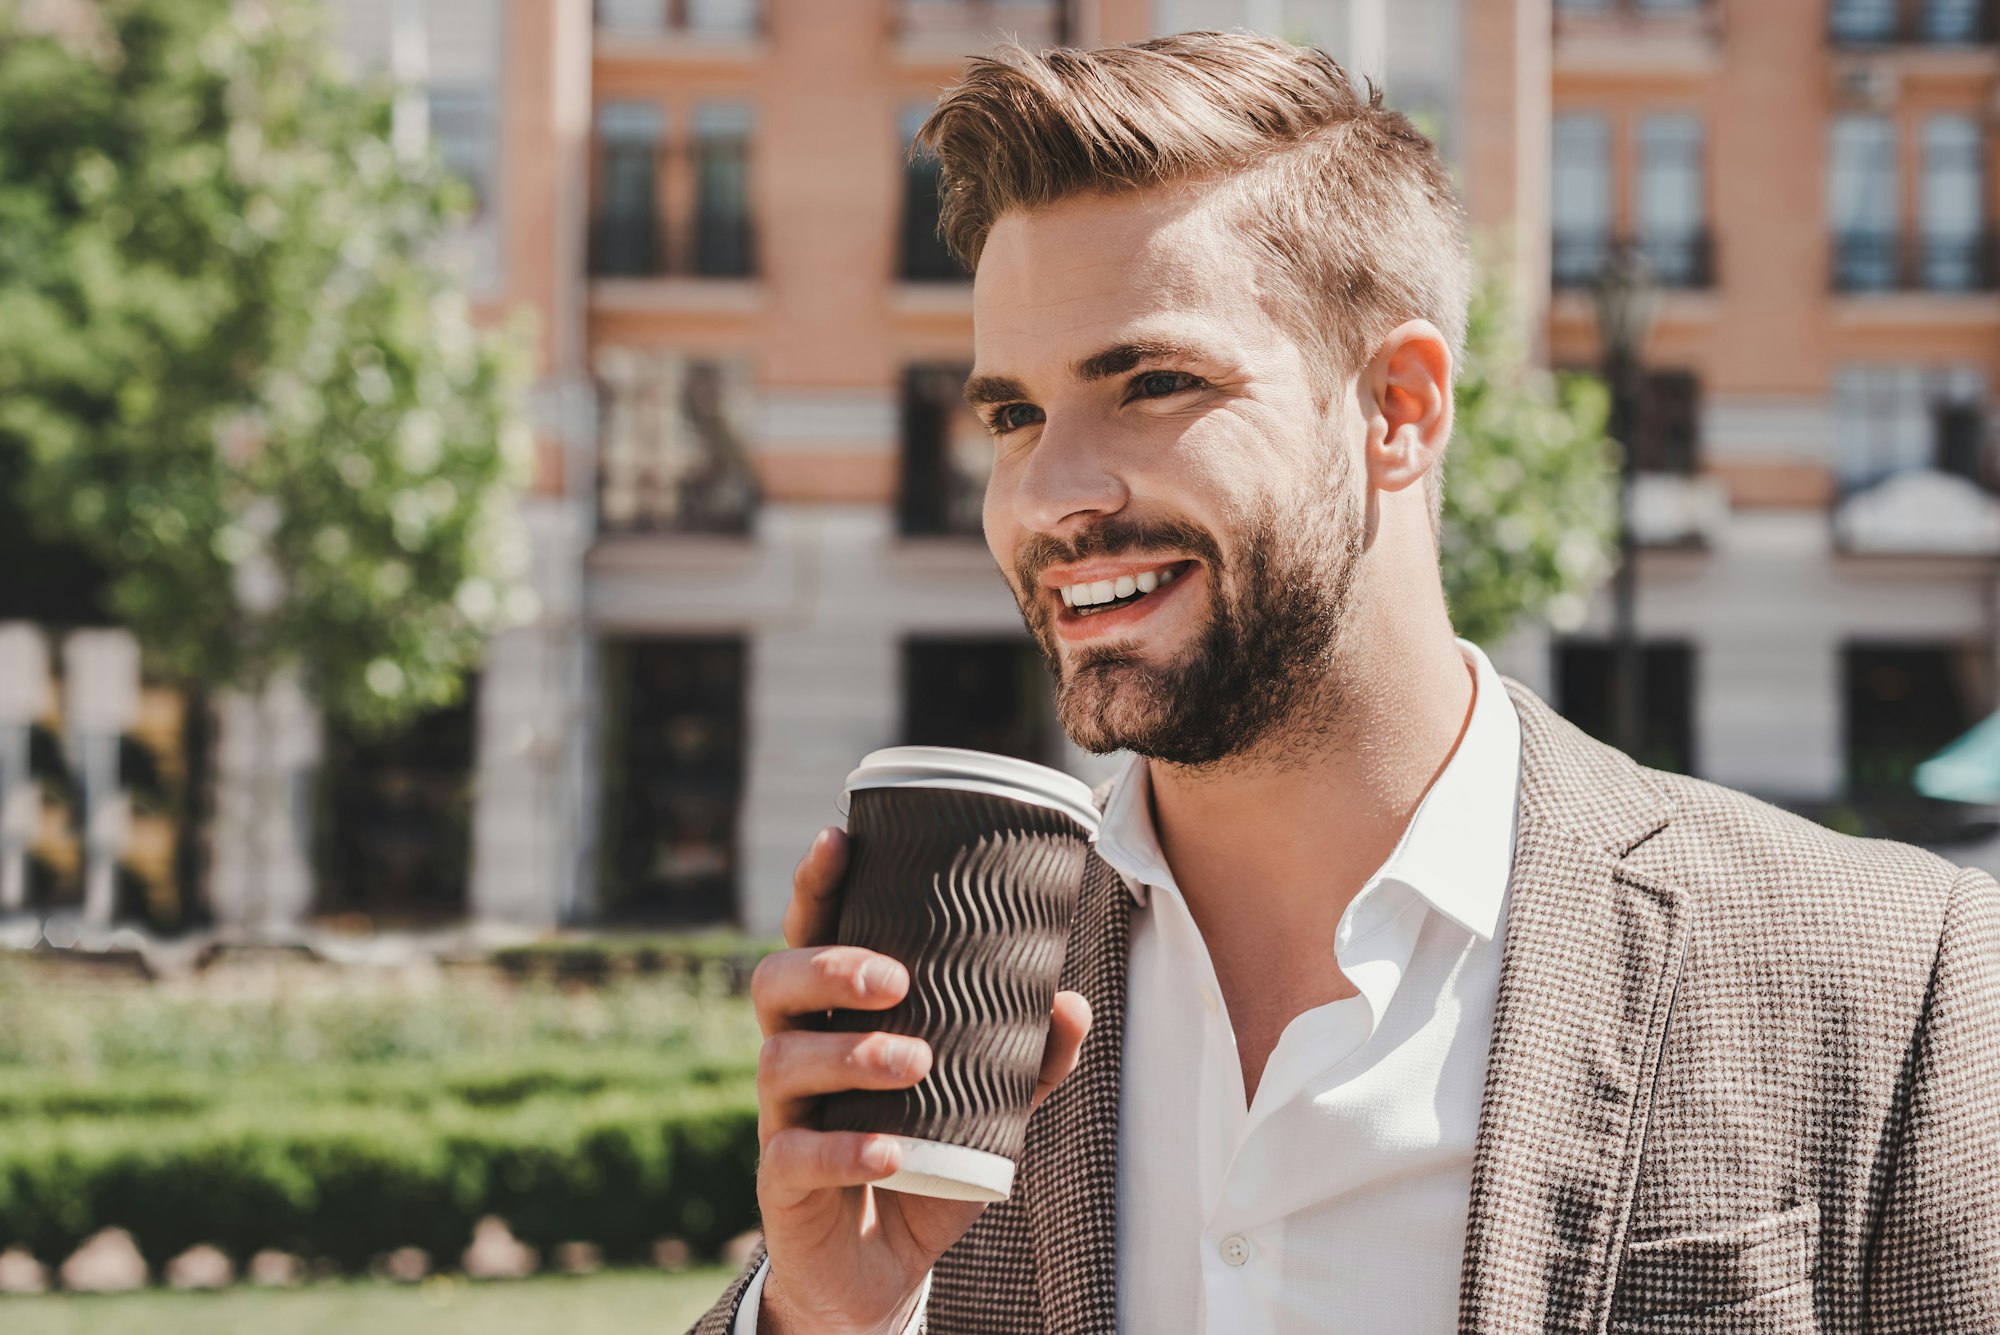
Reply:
x=232, y=364
x=722, y=958
x=351, y=1182
x=1531, y=482
x=304, y=1027
x=346, y=1117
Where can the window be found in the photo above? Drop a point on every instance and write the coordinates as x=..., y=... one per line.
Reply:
x=721, y=18
x=463, y=123
x=1640, y=6
x=922, y=256
x=671, y=454
x=1861, y=203
x=1863, y=20
x=947, y=455
x=1581, y=206
x=696, y=18
x=1667, y=431
x=674, y=730
x=1892, y=419
x=984, y=694
x=1954, y=21
x=722, y=234
x=957, y=23
x=395, y=834
x=1902, y=704
x=1585, y=670
x=1951, y=207
x=625, y=239
x=1672, y=203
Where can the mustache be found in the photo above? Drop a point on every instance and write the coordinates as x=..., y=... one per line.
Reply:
x=1111, y=537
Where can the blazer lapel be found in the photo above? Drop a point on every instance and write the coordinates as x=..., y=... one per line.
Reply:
x=1591, y=958
x=1070, y=1164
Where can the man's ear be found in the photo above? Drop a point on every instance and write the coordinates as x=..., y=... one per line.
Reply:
x=1407, y=400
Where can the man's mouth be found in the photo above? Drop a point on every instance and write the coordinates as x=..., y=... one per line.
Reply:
x=1094, y=596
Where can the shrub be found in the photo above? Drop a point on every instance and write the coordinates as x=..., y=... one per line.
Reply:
x=350, y=1182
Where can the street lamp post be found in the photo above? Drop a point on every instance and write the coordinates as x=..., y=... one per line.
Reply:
x=1625, y=296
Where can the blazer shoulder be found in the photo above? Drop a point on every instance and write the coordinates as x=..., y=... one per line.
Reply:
x=1752, y=868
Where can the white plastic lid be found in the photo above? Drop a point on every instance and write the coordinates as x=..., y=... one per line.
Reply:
x=977, y=772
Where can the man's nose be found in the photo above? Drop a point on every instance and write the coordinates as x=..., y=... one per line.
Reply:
x=1068, y=481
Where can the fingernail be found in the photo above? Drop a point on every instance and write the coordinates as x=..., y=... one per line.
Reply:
x=877, y=1156
x=900, y=1058
x=881, y=976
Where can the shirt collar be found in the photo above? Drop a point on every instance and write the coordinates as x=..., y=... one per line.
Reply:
x=1457, y=851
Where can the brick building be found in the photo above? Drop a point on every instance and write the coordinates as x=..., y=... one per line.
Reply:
x=756, y=516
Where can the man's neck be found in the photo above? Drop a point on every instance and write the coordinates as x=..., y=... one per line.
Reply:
x=1268, y=850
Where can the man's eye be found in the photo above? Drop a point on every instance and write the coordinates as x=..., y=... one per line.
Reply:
x=1014, y=416
x=1159, y=384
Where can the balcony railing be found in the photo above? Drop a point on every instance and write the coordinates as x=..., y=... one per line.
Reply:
x=1685, y=261
x=1913, y=22
x=671, y=450
x=1888, y=262
x=637, y=245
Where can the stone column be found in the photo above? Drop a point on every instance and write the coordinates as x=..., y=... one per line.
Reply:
x=267, y=754
x=532, y=840
x=1768, y=715
x=24, y=684
x=100, y=701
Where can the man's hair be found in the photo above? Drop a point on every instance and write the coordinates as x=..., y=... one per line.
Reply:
x=1346, y=199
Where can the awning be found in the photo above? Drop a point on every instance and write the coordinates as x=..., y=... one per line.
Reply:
x=1968, y=770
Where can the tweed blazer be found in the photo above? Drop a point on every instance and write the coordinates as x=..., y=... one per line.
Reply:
x=1744, y=1076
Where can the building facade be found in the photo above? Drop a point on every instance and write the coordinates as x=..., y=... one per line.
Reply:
x=770, y=538
x=756, y=511
x=1813, y=183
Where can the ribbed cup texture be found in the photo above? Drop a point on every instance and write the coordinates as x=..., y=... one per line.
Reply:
x=976, y=896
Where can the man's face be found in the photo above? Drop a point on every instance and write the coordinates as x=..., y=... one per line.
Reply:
x=1178, y=517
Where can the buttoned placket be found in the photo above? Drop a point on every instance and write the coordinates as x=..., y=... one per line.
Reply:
x=1374, y=937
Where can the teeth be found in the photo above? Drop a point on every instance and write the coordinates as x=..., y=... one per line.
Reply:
x=1095, y=592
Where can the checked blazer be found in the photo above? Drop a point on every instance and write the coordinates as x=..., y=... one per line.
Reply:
x=1744, y=1077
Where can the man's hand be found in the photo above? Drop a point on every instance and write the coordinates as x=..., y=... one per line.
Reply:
x=845, y=1257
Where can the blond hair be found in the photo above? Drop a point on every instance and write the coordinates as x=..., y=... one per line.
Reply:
x=1348, y=201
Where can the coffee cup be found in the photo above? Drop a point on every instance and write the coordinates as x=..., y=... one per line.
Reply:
x=964, y=866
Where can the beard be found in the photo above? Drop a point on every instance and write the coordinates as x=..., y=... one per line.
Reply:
x=1260, y=667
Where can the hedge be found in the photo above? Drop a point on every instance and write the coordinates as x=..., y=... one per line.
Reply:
x=491, y=1083
x=726, y=957
x=348, y=1182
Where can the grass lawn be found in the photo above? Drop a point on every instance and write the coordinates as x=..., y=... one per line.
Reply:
x=615, y=1303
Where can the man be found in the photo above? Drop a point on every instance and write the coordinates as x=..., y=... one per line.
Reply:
x=1394, y=1003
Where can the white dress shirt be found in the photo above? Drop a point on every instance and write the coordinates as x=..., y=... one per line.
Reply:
x=1337, y=1201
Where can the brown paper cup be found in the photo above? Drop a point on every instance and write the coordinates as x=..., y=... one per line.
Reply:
x=965, y=867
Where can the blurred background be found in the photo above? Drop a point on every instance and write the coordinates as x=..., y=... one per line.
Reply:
x=659, y=280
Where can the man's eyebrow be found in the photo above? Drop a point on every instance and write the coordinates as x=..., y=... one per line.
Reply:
x=1115, y=360
x=983, y=389
x=1124, y=356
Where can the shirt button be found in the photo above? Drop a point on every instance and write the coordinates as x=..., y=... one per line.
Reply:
x=1235, y=1249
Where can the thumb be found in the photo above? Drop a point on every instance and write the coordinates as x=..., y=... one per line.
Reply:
x=1069, y=1021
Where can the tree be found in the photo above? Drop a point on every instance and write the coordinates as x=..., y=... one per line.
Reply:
x=1531, y=482
x=232, y=368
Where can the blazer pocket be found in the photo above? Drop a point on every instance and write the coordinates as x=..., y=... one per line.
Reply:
x=1746, y=1280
